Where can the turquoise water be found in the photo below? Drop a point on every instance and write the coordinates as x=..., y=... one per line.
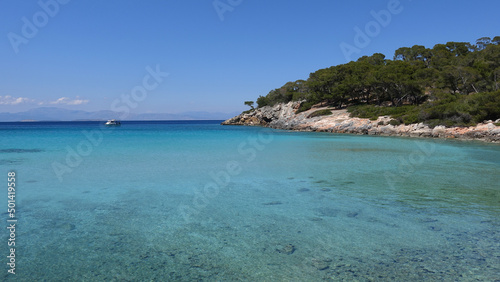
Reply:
x=196, y=201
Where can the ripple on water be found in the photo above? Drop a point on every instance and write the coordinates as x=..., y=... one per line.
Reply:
x=16, y=161
x=17, y=150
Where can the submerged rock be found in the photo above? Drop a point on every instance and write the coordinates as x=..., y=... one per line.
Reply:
x=273, y=203
x=435, y=228
x=288, y=249
x=327, y=211
x=429, y=220
x=352, y=214
x=66, y=226
x=321, y=264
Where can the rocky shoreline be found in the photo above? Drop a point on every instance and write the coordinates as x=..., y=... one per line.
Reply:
x=283, y=116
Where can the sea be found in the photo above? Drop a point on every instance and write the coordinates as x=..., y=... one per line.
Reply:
x=198, y=201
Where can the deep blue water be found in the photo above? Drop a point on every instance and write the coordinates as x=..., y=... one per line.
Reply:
x=194, y=200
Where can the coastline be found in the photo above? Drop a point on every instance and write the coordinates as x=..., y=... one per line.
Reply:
x=283, y=116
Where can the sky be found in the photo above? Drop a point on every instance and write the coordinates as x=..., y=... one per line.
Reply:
x=173, y=56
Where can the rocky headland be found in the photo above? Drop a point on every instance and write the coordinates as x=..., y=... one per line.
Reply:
x=283, y=116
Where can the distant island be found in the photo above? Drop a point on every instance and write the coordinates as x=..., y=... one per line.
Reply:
x=58, y=114
x=456, y=84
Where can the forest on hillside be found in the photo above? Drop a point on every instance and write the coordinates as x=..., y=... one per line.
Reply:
x=452, y=84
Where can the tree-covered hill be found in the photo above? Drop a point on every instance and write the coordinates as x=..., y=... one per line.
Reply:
x=456, y=83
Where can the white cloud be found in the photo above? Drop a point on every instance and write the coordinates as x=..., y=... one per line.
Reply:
x=68, y=101
x=9, y=100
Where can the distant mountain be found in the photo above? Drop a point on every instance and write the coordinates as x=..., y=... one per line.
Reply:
x=58, y=114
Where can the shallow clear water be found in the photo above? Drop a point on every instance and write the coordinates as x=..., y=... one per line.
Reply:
x=184, y=201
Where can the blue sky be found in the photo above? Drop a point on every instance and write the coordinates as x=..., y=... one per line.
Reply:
x=85, y=55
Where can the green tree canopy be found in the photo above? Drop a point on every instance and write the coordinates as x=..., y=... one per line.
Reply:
x=249, y=103
x=415, y=75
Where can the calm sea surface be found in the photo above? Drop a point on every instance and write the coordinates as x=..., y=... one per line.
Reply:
x=196, y=201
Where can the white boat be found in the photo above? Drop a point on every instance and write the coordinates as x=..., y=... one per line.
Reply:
x=113, y=122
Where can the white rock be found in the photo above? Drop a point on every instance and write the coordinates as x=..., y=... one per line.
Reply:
x=440, y=129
